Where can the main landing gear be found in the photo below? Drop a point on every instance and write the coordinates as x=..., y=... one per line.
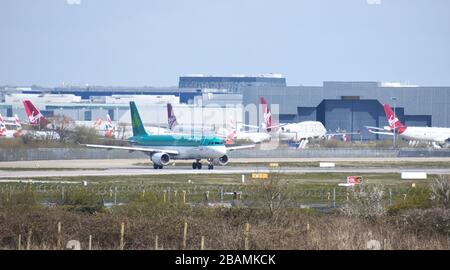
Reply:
x=156, y=166
x=198, y=165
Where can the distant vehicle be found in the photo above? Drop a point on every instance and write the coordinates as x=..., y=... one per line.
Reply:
x=162, y=148
x=351, y=181
x=438, y=136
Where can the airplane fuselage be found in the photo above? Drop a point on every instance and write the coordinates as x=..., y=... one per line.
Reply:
x=254, y=137
x=188, y=147
x=302, y=130
x=432, y=134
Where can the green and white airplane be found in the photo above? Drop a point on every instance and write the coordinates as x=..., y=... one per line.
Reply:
x=162, y=148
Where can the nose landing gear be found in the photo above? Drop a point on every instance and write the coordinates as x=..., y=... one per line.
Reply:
x=210, y=164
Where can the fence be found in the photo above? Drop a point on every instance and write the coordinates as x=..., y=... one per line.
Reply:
x=117, y=232
x=226, y=196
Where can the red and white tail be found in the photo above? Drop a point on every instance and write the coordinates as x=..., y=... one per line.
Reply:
x=17, y=121
x=345, y=137
x=98, y=122
x=393, y=121
x=171, y=119
x=2, y=125
x=110, y=129
x=230, y=137
x=34, y=115
x=267, y=124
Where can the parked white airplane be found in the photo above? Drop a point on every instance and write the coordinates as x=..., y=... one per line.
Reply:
x=438, y=136
x=5, y=133
x=106, y=129
x=230, y=136
x=253, y=137
x=18, y=132
x=300, y=132
x=175, y=128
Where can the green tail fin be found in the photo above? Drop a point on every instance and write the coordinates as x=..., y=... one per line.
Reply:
x=136, y=122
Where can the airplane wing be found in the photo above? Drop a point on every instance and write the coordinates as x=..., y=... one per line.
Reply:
x=131, y=148
x=377, y=130
x=442, y=139
x=273, y=126
x=232, y=148
x=251, y=126
x=342, y=133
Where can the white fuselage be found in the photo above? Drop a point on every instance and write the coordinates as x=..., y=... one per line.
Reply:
x=43, y=135
x=253, y=137
x=196, y=152
x=432, y=134
x=302, y=130
x=10, y=134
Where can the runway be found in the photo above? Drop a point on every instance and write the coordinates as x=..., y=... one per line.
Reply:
x=129, y=167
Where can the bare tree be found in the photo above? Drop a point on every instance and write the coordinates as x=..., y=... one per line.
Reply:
x=64, y=126
x=275, y=193
x=440, y=191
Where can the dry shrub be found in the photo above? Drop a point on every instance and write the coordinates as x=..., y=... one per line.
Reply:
x=428, y=221
x=223, y=228
x=366, y=201
x=440, y=191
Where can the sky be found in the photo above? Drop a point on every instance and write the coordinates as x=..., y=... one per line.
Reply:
x=153, y=42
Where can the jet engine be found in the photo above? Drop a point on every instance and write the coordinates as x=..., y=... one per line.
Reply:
x=222, y=160
x=160, y=159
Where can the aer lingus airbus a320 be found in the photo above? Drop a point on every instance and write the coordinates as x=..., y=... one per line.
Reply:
x=162, y=148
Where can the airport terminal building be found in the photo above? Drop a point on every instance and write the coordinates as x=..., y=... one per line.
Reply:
x=350, y=106
x=343, y=106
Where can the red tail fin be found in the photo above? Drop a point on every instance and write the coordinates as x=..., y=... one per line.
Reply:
x=393, y=121
x=267, y=115
x=34, y=115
